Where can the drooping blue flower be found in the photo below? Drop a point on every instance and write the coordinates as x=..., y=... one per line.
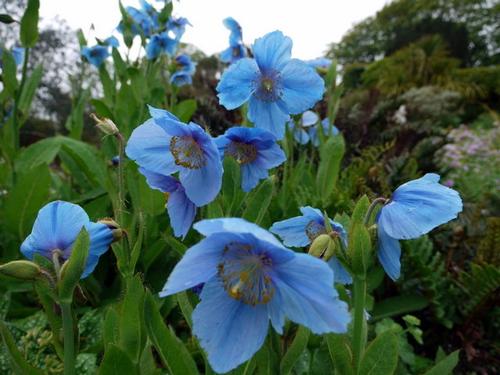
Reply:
x=320, y=62
x=160, y=43
x=254, y=149
x=95, y=55
x=185, y=71
x=274, y=84
x=165, y=145
x=301, y=131
x=112, y=42
x=177, y=26
x=56, y=228
x=415, y=208
x=181, y=210
x=301, y=231
x=251, y=279
x=236, y=49
x=142, y=23
x=325, y=128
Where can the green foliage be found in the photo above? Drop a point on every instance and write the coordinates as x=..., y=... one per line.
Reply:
x=480, y=284
x=29, y=24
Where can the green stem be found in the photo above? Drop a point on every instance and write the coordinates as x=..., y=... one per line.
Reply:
x=15, y=126
x=359, y=336
x=121, y=202
x=69, y=339
x=374, y=204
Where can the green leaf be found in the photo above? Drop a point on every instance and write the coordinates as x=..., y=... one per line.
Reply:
x=41, y=152
x=29, y=90
x=119, y=64
x=186, y=307
x=445, y=366
x=74, y=122
x=9, y=77
x=110, y=333
x=293, y=353
x=381, y=356
x=29, y=24
x=395, y=306
x=27, y=196
x=6, y=18
x=73, y=268
x=132, y=336
x=359, y=248
x=359, y=212
x=185, y=109
x=101, y=109
x=340, y=353
x=331, y=154
x=116, y=361
x=107, y=83
x=231, y=191
x=171, y=350
x=257, y=202
x=19, y=364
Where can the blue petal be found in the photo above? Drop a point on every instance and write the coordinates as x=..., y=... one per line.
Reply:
x=149, y=146
x=56, y=227
x=181, y=78
x=313, y=213
x=198, y=265
x=268, y=116
x=419, y=206
x=302, y=86
x=181, y=212
x=270, y=157
x=301, y=136
x=292, y=231
x=307, y=295
x=234, y=225
x=251, y=174
x=309, y=118
x=340, y=274
x=159, y=114
x=272, y=51
x=231, y=332
x=237, y=83
x=100, y=240
x=161, y=182
x=389, y=254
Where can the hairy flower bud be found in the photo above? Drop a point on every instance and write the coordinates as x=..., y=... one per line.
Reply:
x=114, y=226
x=107, y=126
x=323, y=247
x=21, y=269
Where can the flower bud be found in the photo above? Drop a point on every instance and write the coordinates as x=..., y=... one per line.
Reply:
x=105, y=125
x=323, y=247
x=114, y=226
x=21, y=269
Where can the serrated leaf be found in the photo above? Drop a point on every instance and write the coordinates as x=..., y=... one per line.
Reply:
x=171, y=350
x=381, y=356
x=29, y=24
x=445, y=366
x=73, y=268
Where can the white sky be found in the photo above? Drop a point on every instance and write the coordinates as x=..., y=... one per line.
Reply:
x=312, y=24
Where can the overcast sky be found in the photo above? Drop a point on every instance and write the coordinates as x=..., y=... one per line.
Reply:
x=312, y=24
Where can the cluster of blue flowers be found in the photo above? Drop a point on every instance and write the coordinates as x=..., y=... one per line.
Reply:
x=97, y=54
x=248, y=278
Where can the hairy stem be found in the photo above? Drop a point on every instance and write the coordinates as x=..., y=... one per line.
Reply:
x=359, y=327
x=69, y=339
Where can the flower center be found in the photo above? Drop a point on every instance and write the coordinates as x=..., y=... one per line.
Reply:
x=242, y=152
x=236, y=51
x=314, y=229
x=187, y=152
x=268, y=87
x=246, y=274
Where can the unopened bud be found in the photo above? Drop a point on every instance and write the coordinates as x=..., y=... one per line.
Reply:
x=105, y=125
x=21, y=269
x=320, y=245
x=114, y=226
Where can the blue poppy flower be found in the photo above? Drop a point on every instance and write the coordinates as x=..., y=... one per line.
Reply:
x=181, y=210
x=95, y=55
x=236, y=34
x=251, y=279
x=112, y=42
x=301, y=231
x=160, y=43
x=325, y=128
x=320, y=62
x=274, y=84
x=236, y=49
x=254, y=149
x=142, y=23
x=166, y=146
x=56, y=228
x=177, y=26
x=185, y=70
x=414, y=209
x=300, y=131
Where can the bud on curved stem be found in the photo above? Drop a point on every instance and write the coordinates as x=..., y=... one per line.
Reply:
x=21, y=269
x=105, y=125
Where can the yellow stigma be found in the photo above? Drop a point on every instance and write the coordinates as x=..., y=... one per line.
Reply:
x=267, y=84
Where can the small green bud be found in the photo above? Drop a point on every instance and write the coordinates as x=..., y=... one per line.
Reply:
x=323, y=247
x=107, y=126
x=21, y=269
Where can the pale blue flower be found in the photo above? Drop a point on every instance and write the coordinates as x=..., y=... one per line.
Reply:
x=301, y=131
x=236, y=49
x=273, y=84
x=325, y=128
x=185, y=71
x=56, y=228
x=95, y=55
x=160, y=44
x=250, y=279
x=320, y=62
